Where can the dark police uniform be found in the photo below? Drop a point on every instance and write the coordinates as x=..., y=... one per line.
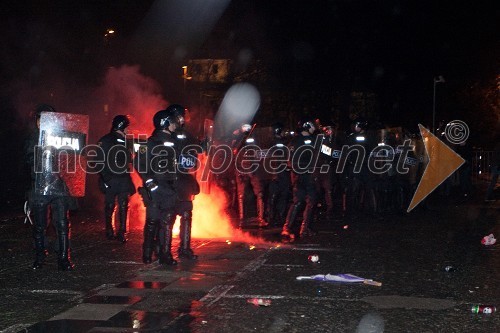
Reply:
x=187, y=188
x=361, y=184
x=280, y=186
x=58, y=203
x=247, y=179
x=305, y=195
x=325, y=174
x=156, y=163
x=116, y=182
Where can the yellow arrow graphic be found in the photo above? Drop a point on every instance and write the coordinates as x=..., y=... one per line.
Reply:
x=443, y=161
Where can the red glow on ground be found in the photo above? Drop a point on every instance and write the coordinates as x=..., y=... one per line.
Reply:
x=209, y=218
x=137, y=211
x=210, y=221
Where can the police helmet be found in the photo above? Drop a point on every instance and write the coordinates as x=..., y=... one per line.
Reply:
x=277, y=128
x=453, y=123
x=305, y=124
x=120, y=122
x=162, y=119
x=43, y=108
x=178, y=111
x=361, y=123
x=245, y=128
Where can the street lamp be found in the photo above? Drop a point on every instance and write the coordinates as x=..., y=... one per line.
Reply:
x=439, y=79
x=110, y=33
x=185, y=77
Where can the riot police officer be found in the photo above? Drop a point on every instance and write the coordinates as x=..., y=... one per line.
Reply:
x=304, y=189
x=280, y=185
x=387, y=185
x=325, y=175
x=115, y=180
x=156, y=164
x=407, y=181
x=187, y=186
x=57, y=200
x=361, y=188
x=247, y=179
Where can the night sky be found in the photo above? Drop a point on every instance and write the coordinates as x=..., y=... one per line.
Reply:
x=393, y=48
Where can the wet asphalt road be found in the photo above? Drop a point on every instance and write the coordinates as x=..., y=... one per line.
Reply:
x=112, y=291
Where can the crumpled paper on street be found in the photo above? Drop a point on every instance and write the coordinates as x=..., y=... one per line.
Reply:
x=488, y=240
x=344, y=278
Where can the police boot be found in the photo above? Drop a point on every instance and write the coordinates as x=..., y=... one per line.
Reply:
x=122, y=215
x=147, y=245
x=401, y=199
x=293, y=212
x=354, y=197
x=241, y=211
x=185, y=250
x=40, y=218
x=305, y=230
x=108, y=218
x=260, y=212
x=166, y=257
x=272, y=209
x=329, y=205
x=63, y=262
x=156, y=241
x=40, y=254
x=344, y=204
x=372, y=202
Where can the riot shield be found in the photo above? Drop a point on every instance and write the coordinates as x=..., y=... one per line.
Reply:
x=60, y=167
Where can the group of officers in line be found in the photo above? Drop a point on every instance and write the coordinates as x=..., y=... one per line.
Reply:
x=167, y=171
x=168, y=190
x=312, y=179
